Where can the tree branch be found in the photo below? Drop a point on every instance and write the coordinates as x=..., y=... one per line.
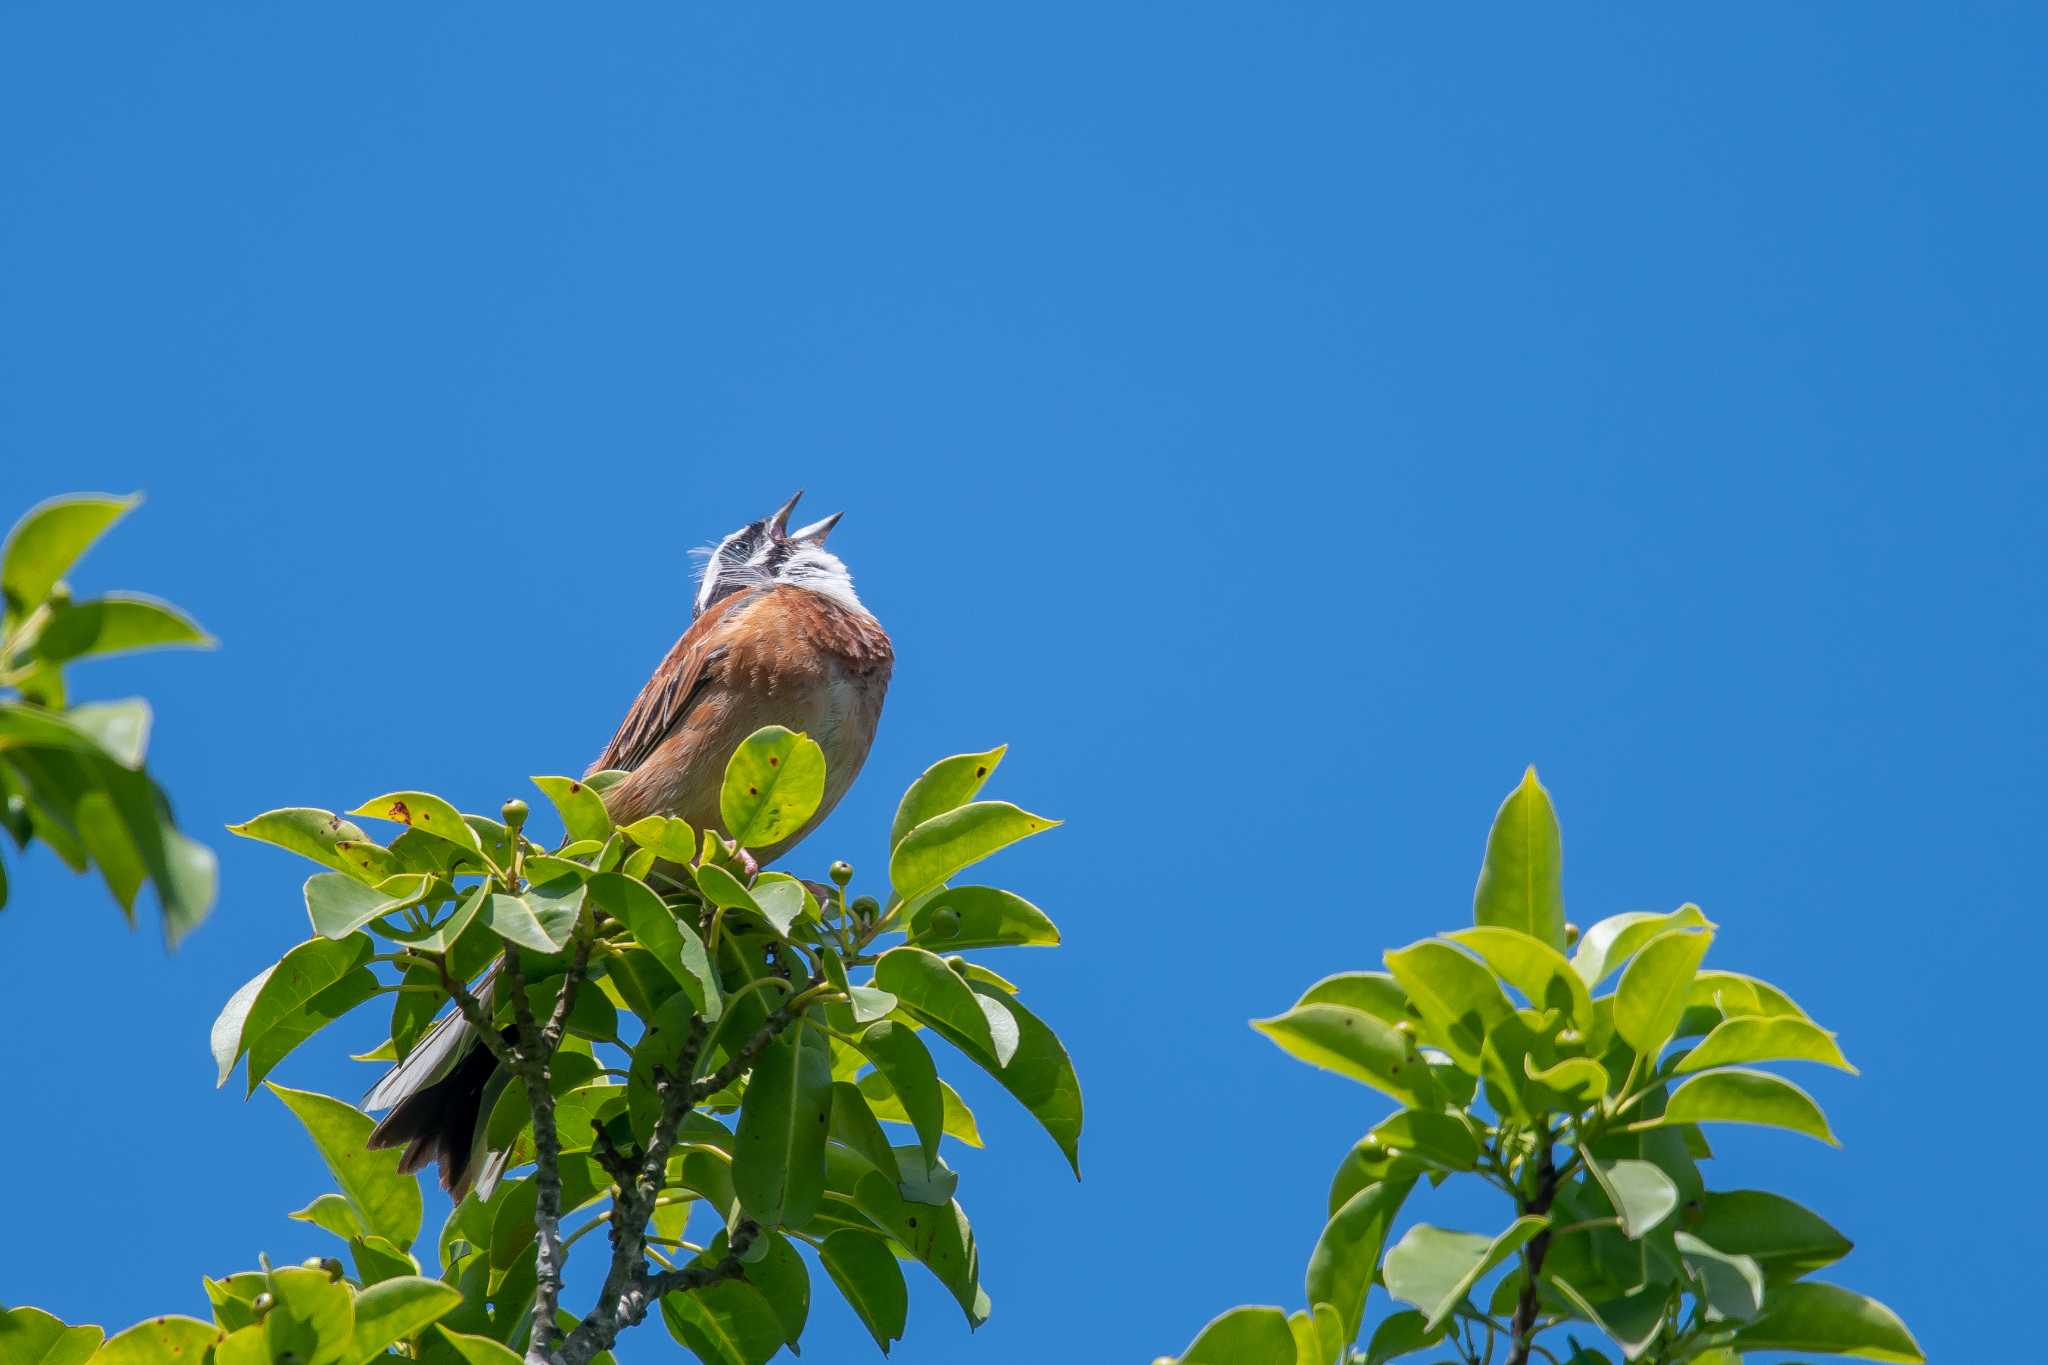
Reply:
x=1522, y=1329
x=533, y=1064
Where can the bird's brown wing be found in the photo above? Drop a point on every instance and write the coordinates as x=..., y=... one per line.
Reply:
x=682, y=680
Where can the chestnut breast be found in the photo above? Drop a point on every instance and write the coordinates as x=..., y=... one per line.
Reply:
x=780, y=656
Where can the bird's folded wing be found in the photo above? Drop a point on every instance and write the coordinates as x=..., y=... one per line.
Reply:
x=676, y=687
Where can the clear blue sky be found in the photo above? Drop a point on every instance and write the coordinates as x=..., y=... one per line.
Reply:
x=1279, y=423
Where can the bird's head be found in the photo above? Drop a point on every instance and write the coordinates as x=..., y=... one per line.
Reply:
x=766, y=552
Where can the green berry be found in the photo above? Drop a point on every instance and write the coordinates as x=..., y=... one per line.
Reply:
x=1571, y=934
x=866, y=907
x=841, y=873
x=262, y=1303
x=945, y=922
x=514, y=812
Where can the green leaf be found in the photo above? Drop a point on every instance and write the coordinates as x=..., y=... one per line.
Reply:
x=1786, y=1239
x=1632, y=1319
x=1732, y=1284
x=940, y=1238
x=324, y=837
x=1574, y=1083
x=882, y=1100
x=1831, y=1321
x=1355, y=1044
x=331, y=1213
x=721, y=888
x=542, y=922
x=1438, y=1140
x=1641, y=1193
x=387, y=1202
x=1435, y=1269
x=1617, y=938
x=393, y=1310
x=1759, y=1038
x=1340, y=1269
x=781, y=899
x=159, y=1341
x=478, y=1350
x=1733, y=994
x=1039, y=1074
x=29, y=1336
x=280, y=991
x=1652, y=992
x=979, y=917
x=1400, y=1333
x=773, y=784
x=581, y=808
x=1376, y=993
x=1458, y=999
x=116, y=623
x=938, y=847
x=1243, y=1336
x=901, y=1058
x=313, y=1318
x=1735, y=1095
x=866, y=1272
x=778, y=1166
x=45, y=543
x=673, y=943
x=926, y=985
x=1534, y=968
x=855, y=1127
x=946, y=785
x=338, y=904
x=1521, y=882
x=425, y=813
x=666, y=835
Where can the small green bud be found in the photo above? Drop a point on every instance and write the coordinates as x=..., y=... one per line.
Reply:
x=1406, y=1028
x=1569, y=1037
x=514, y=812
x=841, y=873
x=60, y=594
x=1371, y=1150
x=958, y=964
x=865, y=907
x=1571, y=934
x=945, y=922
x=262, y=1304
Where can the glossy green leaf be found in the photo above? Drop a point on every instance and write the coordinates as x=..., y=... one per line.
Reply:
x=159, y=1341
x=1242, y=1336
x=866, y=1272
x=1574, y=1083
x=947, y=784
x=331, y=1213
x=393, y=1310
x=782, y=900
x=902, y=1059
x=1438, y=1140
x=1340, y=1269
x=721, y=888
x=1434, y=1269
x=773, y=784
x=883, y=1101
x=1733, y=995
x=313, y=1318
x=280, y=991
x=1735, y=1095
x=46, y=542
x=1537, y=970
x=668, y=836
x=1039, y=1073
x=474, y=1349
x=931, y=852
x=1521, y=882
x=1632, y=1319
x=1759, y=1038
x=1617, y=938
x=1355, y=1044
x=338, y=904
x=1377, y=993
x=730, y=1323
x=1831, y=1321
x=1399, y=1334
x=1308, y=1338
x=940, y=1239
x=425, y=813
x=673, y=943
x=1785, y=1238
x=1641, y=1194
x=29, y=1336
x=855, y=1127
x=979, y=917
x=387, y=1202
x=579, y=806
x=778, y=1166
x=1654, y=985
x=1731, y=1283
x=534, y=919
x=927, y=986
x=1458, y=999
x=324, y=837
x=114, y=624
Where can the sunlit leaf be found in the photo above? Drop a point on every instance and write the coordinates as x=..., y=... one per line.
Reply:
x=1735, y=1095
x=579, y=805
x=1653, y=988
x=931, y=852
x=947, y=784
x=1458, y=999
x=278, y=991
x=773, y=784
x=1521, y=882
x=673, y=943
x=1434, y=1269
x=1242, y=1336
x=1641, y=1193
x=1355, y=1044
x=1340, y=1269
x=387, y=1202
x=114, y=624
x=324, y=837
x=159, y=1341
x=46, y=542
x=425, y=813
x=979, y=917
x=395, y=1309
x=1617, y=938
x=1832, y=1321
x=1759, y=1038
x=29, y=1336
x=1785, y=1238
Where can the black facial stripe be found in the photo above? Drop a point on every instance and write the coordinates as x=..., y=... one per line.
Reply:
x=778, y=555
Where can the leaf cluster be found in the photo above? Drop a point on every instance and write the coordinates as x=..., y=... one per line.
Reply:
x=72, y=777
x=731, y=1074
x=1587, y=1110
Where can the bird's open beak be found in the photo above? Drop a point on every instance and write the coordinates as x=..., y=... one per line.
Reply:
x=816, y=532
x=778, y=525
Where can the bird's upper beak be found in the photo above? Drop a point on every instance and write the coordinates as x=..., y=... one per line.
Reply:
x=778, y=525
x=815, y=533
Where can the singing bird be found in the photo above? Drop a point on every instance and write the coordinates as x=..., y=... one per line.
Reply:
x=779, y=638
